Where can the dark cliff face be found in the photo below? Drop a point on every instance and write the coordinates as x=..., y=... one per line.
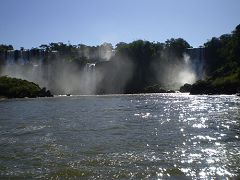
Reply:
x=209, y=87
x=185, y=88
x=198, y=58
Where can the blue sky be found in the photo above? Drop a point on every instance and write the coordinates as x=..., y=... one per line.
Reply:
x=30, y=23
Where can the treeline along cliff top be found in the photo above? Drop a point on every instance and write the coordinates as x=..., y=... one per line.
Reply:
x=136, y=67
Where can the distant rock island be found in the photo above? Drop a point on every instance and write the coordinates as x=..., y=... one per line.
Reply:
x=18, y=88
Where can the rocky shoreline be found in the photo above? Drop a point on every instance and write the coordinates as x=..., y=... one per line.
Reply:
x=206, y=87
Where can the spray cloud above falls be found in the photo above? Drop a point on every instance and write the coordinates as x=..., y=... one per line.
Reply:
x=127, y=68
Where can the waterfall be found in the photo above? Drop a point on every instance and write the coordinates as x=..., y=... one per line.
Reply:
x=9, y=57
x=50, y=70
x=90, y=67
x=23, y=57
x=24, y=64
x=197, y=57
x=90, y=79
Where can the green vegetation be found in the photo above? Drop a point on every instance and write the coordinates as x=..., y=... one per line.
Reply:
x=139, y=66
x=18, y=88
x=222, y=65
x=150, y=61
x=4, y=47
x=129, y=68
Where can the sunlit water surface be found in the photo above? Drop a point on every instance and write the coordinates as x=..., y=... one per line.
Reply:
x=124, y=136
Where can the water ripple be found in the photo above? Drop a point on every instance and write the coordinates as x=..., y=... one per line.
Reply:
x=150, y=136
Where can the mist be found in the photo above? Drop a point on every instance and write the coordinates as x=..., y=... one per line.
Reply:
x=130, y=68
x=175, y=72
x=61, y=76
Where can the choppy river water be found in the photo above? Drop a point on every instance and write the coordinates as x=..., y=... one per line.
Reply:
x=151, y=136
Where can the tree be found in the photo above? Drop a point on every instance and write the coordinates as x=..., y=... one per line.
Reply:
x=176, y=46
x=44, y=47
x=4, y=47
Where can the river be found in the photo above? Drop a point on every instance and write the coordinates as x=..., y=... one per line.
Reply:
x=150, y=136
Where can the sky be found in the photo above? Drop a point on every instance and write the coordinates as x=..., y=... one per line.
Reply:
x=30, y=23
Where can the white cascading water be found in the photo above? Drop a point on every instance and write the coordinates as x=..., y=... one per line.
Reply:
x=197, y=56
x=90, y=78
x=25, y=65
